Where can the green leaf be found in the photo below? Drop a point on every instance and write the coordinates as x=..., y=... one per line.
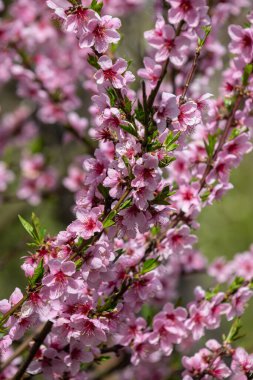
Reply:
x=236, y=284
x=38, y=274
x=119, y=252
x=212, y=292
x=126, y=204
x=139, y=113
x=161, y=198
x=93, y=61
x=210, y=145
x=38, y=231
x=150, y=265
x=155, y=145
x=155, y=230
x=234, y=331
x=96, y=6
x=127, y=105
x=102, y=359
x=79, y=263
x=129, y=129
x=166, y=161
x=247, y=72
x=207, y=29
x=104, y=191
x=108, y=223
x=170, y=141
x=205, y=196
x=112, y=95
x=229, y=103
x=27, y=226
x=34, y=230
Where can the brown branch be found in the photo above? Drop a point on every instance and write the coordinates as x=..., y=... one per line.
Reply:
x=190, y=75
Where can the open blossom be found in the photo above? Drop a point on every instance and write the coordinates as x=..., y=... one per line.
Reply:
x=168, y=328
x=187, y=198
x=238, y=147
x=100, y=32
x=167, y=44
x=111, y=74
x=242, y=364
x=15, y=297
x=206, y=363
x=77, y=354
x=146, y=172
x=185, y=10
x=242, y=41
x=130, y=330
x=96, y=168
x=151, y=72
x=167, y=111
x=86, y=224
x=59, y=279
x=197, y=322
x=188, y=117
x=239, y=301
x=76, y=17
x=178, y=239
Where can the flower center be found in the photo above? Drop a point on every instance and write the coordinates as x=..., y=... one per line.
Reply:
x=185, y=6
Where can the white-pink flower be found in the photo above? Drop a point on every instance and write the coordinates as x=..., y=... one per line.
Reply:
x=87, y=223
x=151, y=72
x=60, y=278
x=100, y=32
x=111, y=74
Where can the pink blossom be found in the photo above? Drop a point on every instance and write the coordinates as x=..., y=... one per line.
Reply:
x=168, y=328
x=76, y=17
x=59, y=279
x=167, y=111
x=188, y=117
x=239, y=301
x=146, y=172
x=197, y=321
x=111, y=74
x=87, y=223
x=151, y=72
x=78, y=354
x=185, y=10
x=242, y=42
x=187, y=197
x=96, y=168
x=242, y=364
x=130, y=330
x=178, y=239
x=100, y=32
x=164, y=40
x=15, y=297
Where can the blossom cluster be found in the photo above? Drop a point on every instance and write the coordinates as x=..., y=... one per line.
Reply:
x=164, y=153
